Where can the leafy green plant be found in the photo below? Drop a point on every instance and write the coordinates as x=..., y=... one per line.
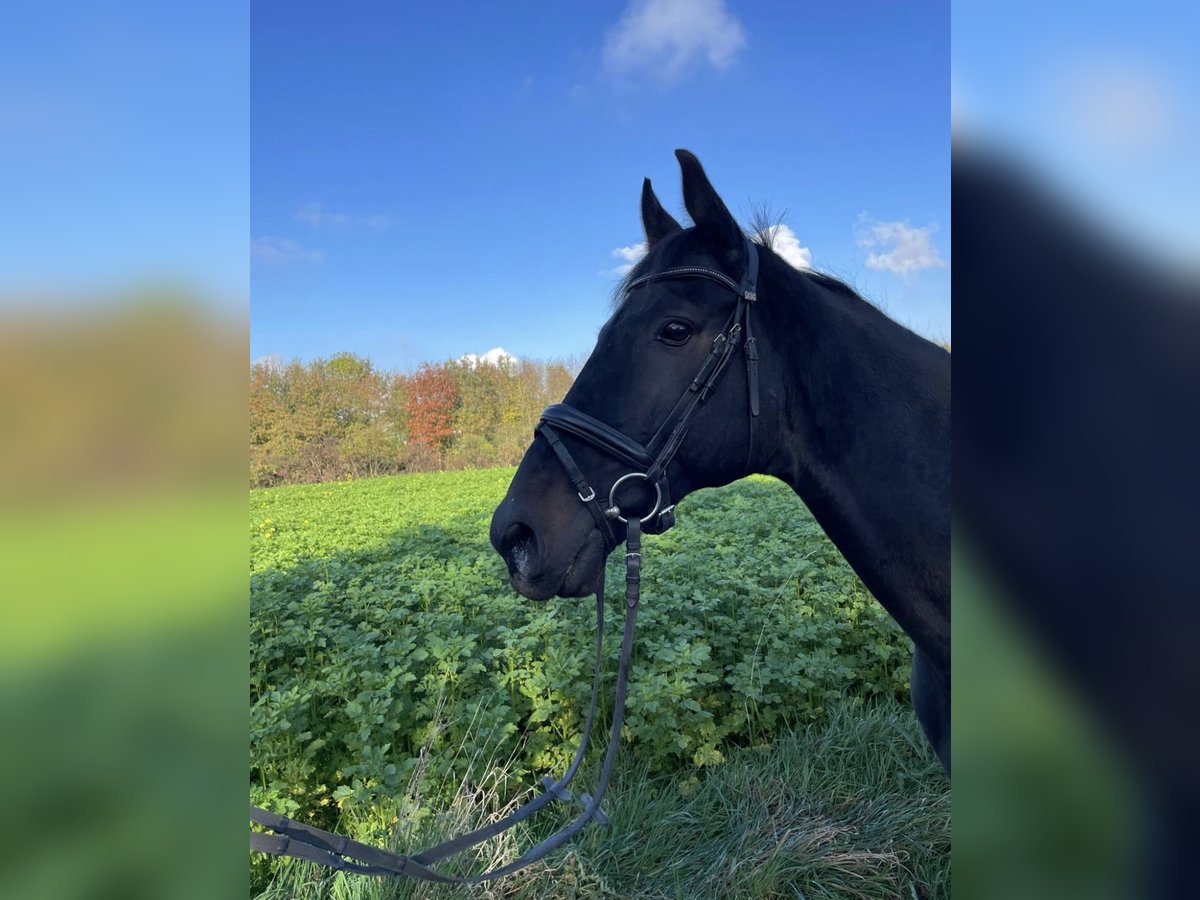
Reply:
x=391, y=664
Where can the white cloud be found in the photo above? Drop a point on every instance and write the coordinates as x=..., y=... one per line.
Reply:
x=632, y=256
x=312, y=214
x=897, y=246
x=317, y=216
x=783, y=241
x=495, y=357
x=1119, y=105
x=275, y=251
x=667, y=38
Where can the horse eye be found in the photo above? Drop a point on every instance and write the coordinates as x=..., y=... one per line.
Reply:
x=675, y=332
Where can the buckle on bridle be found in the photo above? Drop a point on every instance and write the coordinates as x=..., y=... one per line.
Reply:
x=590, y=497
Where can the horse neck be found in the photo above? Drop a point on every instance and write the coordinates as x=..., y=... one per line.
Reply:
x=863, y=418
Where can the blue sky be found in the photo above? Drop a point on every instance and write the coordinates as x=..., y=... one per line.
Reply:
x=425, y=185
x=1102, y=105
x=124, y=133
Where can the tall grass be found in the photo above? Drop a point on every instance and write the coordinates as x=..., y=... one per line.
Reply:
x=853, y=806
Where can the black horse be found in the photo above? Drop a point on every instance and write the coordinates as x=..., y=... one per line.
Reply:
x=854, y=414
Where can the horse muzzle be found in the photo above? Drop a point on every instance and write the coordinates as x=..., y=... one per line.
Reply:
x=535, y=570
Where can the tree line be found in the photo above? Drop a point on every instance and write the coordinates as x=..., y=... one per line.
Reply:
x=342, y=417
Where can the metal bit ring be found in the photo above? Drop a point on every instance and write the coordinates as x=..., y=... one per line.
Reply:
x=612, y=494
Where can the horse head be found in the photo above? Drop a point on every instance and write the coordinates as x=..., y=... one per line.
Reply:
x=671, y=353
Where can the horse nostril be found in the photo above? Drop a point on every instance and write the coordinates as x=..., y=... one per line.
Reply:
x=519, y=549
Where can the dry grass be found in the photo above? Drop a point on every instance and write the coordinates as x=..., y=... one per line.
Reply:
x=854, y=807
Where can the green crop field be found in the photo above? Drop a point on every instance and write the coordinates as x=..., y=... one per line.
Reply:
x=400, y=691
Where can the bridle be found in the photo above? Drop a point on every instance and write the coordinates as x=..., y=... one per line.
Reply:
x=650, y=463
x=301, y=841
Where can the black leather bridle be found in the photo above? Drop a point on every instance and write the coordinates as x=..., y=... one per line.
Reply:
x=301, y=841
x=650, y=463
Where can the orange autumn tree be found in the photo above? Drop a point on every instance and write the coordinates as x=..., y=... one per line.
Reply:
x=432, y=400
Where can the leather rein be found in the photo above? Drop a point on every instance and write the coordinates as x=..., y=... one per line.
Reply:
x=300, y=841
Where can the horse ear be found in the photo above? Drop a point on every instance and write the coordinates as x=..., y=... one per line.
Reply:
x=703, y=204
x=657, y=221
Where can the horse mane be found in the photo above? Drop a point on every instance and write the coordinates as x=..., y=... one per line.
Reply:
x=764, y=230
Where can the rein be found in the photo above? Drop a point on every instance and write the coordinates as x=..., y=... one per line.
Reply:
x=300, y=841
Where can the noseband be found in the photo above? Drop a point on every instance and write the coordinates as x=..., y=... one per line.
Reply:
x=649, y=463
